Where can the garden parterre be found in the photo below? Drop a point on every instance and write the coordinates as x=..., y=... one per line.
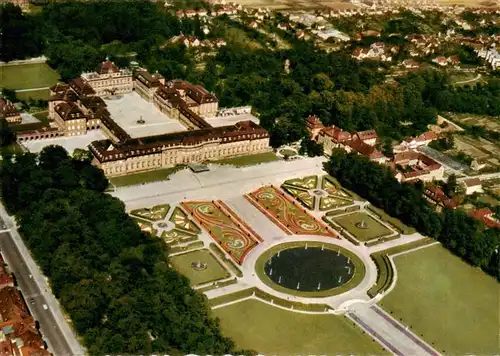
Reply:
x=224, y=228
x=291, y=218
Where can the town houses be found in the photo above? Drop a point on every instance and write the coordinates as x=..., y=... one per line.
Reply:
x=19, y=334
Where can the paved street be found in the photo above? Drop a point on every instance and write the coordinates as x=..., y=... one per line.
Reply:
x=54, y=328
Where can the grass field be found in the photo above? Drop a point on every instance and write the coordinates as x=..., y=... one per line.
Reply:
x=374, y=228
x=266, y=329
x=145, y=177
x=26, y=76
x=214, y=271
x=41, y=94
x=251, y=160
x=453, y=305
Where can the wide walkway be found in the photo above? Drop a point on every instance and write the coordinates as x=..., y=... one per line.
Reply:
x=394, y=336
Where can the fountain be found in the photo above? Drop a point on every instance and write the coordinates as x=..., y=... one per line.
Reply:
x=361, y=224
x=199, y=266
x=141, y=121
x=279, y=280
x=319, y=285
x=298, y=286
x=271, y=272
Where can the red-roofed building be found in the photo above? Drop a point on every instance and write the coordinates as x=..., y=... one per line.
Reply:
x=412, y=165
x=9, y=112
x=190, y=13
x=442, y=61
x=436, y=196
x=472, y=185
x=108, y=79
x=421, y=140
x=365, y=149
x=486, y=216
x=369, y=137
x=6, y=279
x=314, y=126
x=333, y=137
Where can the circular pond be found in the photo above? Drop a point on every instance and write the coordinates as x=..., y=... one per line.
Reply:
x=310, y=269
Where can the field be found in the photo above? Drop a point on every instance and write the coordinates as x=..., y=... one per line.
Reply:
x=373, y=229
x=214, y=270
x=27, y=76
x=451, y=304
x=268, y=330
x=226, y=229
x=478, y=148
x=291, y=218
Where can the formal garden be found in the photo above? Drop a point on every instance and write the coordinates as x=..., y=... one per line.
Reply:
x=199, y=267
x=227, y=230
x=451, y=305
x=361, y=225
x=288, y=215
x=317, y=194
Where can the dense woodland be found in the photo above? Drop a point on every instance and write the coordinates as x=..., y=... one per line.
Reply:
x=462, y=234
x=113, y=280
x=76, y=36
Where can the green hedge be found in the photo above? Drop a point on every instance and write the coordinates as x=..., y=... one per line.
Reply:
x=217, y=285
x=382, y=240
x=385, y=274
x=188, y=247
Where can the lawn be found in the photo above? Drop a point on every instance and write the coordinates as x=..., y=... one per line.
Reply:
x=214, y=271
x=453, y=305
x=41, y=94
x=27, y=76
x=145, y=177
x=250, y=160
x=269, y=330
x=373, y=229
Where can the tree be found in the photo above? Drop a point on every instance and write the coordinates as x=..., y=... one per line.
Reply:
x=82, y=155
x=450, y=186
x=7, y=136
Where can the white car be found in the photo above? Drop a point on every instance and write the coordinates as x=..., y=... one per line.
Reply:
x=45, y=307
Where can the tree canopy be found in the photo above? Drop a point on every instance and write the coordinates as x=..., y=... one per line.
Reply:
x=113, y=280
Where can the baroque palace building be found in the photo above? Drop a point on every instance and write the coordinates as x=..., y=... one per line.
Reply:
x=77, y=108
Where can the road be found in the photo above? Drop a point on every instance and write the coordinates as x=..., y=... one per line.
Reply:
x=56, y=332
x=483, y=177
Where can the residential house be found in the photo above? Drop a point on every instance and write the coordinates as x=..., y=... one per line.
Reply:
x=421, y=140
x=486, y=216
x=412, y=166
x=442, y=61
x=472, y=185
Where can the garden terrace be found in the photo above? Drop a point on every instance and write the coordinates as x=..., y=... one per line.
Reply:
x=287, y=214
x=182, y=221
x=371, y=229
x=210, y=269
x=223, y=227
x=156, y=213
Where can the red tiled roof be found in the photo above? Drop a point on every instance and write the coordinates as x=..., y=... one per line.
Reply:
x=366, y=135
x=436, y=194
x=365, y=149
x=107, y=67
x=313, y=122
x=337, y=134
x=486, y=216
x=12, y=306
